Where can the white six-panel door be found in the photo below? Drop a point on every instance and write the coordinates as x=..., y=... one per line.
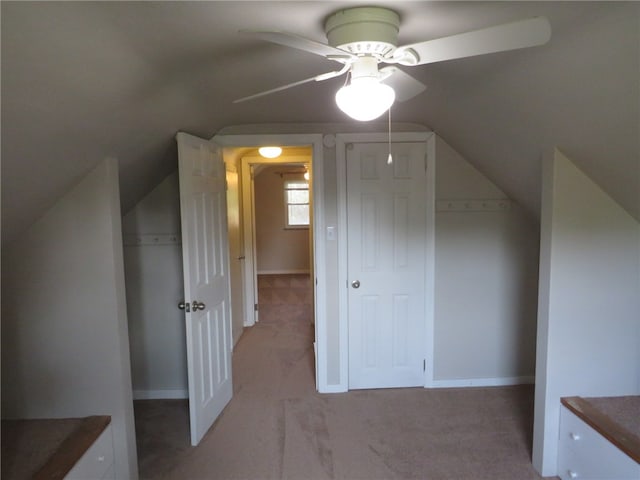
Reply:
x=386, y=216
x=206, y=280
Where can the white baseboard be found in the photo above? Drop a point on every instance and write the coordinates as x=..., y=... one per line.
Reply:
x=483, y=382
x=160, y=394
x=283, y=272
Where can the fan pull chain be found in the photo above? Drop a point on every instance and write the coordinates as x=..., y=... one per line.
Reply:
x=389, y=158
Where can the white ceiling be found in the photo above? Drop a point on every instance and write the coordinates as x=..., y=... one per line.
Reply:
x=82, y=81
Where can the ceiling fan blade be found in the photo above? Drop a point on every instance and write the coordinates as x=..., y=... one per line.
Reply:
x=403, y=84
x=301, y=43
x=510, y=36
x=317, y=78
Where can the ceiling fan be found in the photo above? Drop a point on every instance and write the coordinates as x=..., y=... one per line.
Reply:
x=362, y=38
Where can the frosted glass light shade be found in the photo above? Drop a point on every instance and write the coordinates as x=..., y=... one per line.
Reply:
x=270, y=152
x=365, y=98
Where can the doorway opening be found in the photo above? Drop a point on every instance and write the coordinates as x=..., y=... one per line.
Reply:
x=277, y=211
x=240, y=152
x=282, y=225
x=275, y=253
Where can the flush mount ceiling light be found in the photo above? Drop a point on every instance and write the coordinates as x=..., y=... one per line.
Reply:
x=270, y=152
x=365, y=98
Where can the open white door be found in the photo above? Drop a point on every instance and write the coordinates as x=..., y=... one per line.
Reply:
x=386, y=238
x=206, y=280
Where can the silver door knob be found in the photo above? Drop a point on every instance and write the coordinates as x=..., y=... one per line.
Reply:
x=197, y=306
x=355, y=284
x=181, y=305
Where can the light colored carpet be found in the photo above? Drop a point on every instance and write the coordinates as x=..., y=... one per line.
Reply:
x=278, y=426
x=624, y=410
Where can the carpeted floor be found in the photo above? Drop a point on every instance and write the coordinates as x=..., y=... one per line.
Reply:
x=278, y=426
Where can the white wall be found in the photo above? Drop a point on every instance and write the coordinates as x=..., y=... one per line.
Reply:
x=154, y=279
x=589, y=302
x=278, y=249
x=65, y=347
x=485, y=279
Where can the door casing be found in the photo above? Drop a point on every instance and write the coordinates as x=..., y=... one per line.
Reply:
x=249, y=219
x=315, y=141
x=342, y=142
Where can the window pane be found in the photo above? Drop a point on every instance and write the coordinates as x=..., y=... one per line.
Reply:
x=298, y=214
x=298, y=185
x=297, y=202
x=298, y=196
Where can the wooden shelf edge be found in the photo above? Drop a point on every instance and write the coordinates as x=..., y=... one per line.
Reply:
x=611, y=430
x=73, y=448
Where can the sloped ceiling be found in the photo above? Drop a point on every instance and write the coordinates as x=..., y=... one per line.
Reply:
x=82, y=81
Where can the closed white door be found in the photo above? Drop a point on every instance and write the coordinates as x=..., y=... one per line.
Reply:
x=206, y=280
x=386, y=216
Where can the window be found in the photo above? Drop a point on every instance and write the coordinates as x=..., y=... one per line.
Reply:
x=296, y=203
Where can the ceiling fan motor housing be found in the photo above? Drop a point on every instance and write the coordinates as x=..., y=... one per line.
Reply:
x=364, y=31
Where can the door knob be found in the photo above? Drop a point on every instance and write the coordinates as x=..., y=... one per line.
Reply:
x=355, y=284
x=197, y=306
x=184, y=306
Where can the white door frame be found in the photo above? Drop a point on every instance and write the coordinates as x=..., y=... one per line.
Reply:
x=319, y=255
x=342, y=141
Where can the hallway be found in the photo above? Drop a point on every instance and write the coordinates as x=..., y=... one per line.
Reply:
x=283, y=297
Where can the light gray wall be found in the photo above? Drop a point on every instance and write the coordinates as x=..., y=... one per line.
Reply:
x=485, y=279
x=492, y=295
x=154, y=279
x=65, y=347
x=588, y=324
x=279, y=250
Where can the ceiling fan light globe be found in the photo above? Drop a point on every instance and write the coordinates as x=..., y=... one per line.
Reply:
x=365, y=99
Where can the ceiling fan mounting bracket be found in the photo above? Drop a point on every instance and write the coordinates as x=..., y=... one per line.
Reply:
x=365, y=67
x=364, y=31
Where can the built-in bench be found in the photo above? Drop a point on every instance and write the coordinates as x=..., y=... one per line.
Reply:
x=600, y=438
x=56, y=449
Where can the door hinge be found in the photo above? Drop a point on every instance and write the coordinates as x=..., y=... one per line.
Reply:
x=424, y=365
x=255, y=307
